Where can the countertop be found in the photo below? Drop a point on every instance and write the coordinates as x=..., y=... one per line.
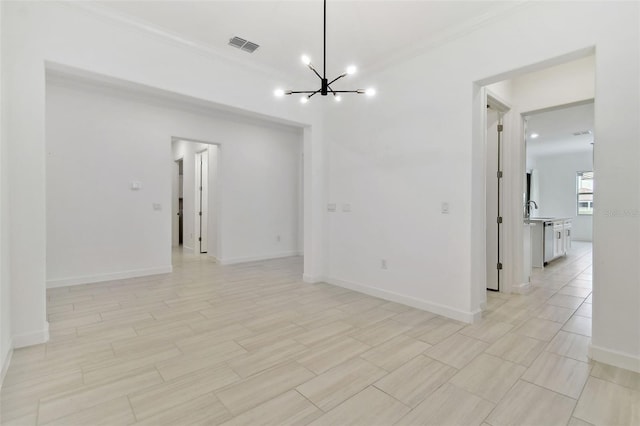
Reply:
x=547, y=219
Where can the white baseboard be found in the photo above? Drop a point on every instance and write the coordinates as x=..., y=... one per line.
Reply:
x=5, y=364
x=235, y=260
x=615, y=358
x=446, y=311
x=87, y=279
x=33, y=338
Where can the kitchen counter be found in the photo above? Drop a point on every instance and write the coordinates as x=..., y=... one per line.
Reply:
x=547, y=219
x=550, y=238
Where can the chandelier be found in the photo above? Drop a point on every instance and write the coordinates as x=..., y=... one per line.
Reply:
x=325, y=85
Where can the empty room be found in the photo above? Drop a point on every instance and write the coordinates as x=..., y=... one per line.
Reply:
x=320, y=212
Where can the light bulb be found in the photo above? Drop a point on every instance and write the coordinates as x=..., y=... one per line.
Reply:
x=534, y=135
x=338, y=98
x=279, y=93
x=306, y=60
x=370, y=91
x=304, y=100
x=351, y=69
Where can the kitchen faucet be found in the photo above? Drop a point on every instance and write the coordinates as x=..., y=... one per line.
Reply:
x=527, y=208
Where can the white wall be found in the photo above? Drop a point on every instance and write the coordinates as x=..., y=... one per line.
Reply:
x=396, y=159
x=99, y=141
x=43, y=34
x=213, y=233
x=557, y=178
x=5, y=277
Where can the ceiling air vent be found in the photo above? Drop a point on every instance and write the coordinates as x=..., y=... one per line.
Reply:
x=249, y=47
x=582, y=132
x=243, y=44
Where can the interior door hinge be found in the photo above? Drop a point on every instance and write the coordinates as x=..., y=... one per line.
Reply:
x=499, y=266
x=199, y=213
x=500, y=127
x=499, y=174
x=199, y=238
x=499, y=220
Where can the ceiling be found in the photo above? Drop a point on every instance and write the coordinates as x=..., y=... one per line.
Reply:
x=555, y=129
x=368, y=34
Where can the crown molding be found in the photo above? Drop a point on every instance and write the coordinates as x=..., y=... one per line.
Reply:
x=450, y=34
x=163, y=34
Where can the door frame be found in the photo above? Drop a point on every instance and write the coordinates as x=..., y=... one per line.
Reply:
x=216, y=192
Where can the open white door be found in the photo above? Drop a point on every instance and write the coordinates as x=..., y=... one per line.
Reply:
x=202, y=201
x=492, y=195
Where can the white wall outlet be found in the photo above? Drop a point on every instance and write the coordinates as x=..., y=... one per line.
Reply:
x=157, y=206
x=383, y=264
x=444, y=208
x=331, y=207
x=346, y=207
x=136, y=185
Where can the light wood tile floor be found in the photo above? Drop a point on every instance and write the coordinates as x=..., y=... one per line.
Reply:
x=252, y=344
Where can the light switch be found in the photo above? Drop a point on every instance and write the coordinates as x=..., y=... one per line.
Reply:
x=157, y=206
x=331, y=207
x=346, y=207
x=444, y=208
x=135, y=185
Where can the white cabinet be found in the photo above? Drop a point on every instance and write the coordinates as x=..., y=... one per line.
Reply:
x=558, y=239
x=550, y=239
x=567, y=235
x=561, y=237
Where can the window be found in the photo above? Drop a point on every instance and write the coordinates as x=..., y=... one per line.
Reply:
x=585, y=193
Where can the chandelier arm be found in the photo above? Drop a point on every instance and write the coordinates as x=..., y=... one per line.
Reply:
x=317, y=91
x=337, y=78
x=314, y=70
x=294, y=92
x=359, y=91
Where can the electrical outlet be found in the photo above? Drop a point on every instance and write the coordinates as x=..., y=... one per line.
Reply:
x=383, y=264
x=331, y=207
x=444, y=208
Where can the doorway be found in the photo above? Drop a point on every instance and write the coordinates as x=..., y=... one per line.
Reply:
x=196, y=197
x=532, y=89
x=560, y=179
